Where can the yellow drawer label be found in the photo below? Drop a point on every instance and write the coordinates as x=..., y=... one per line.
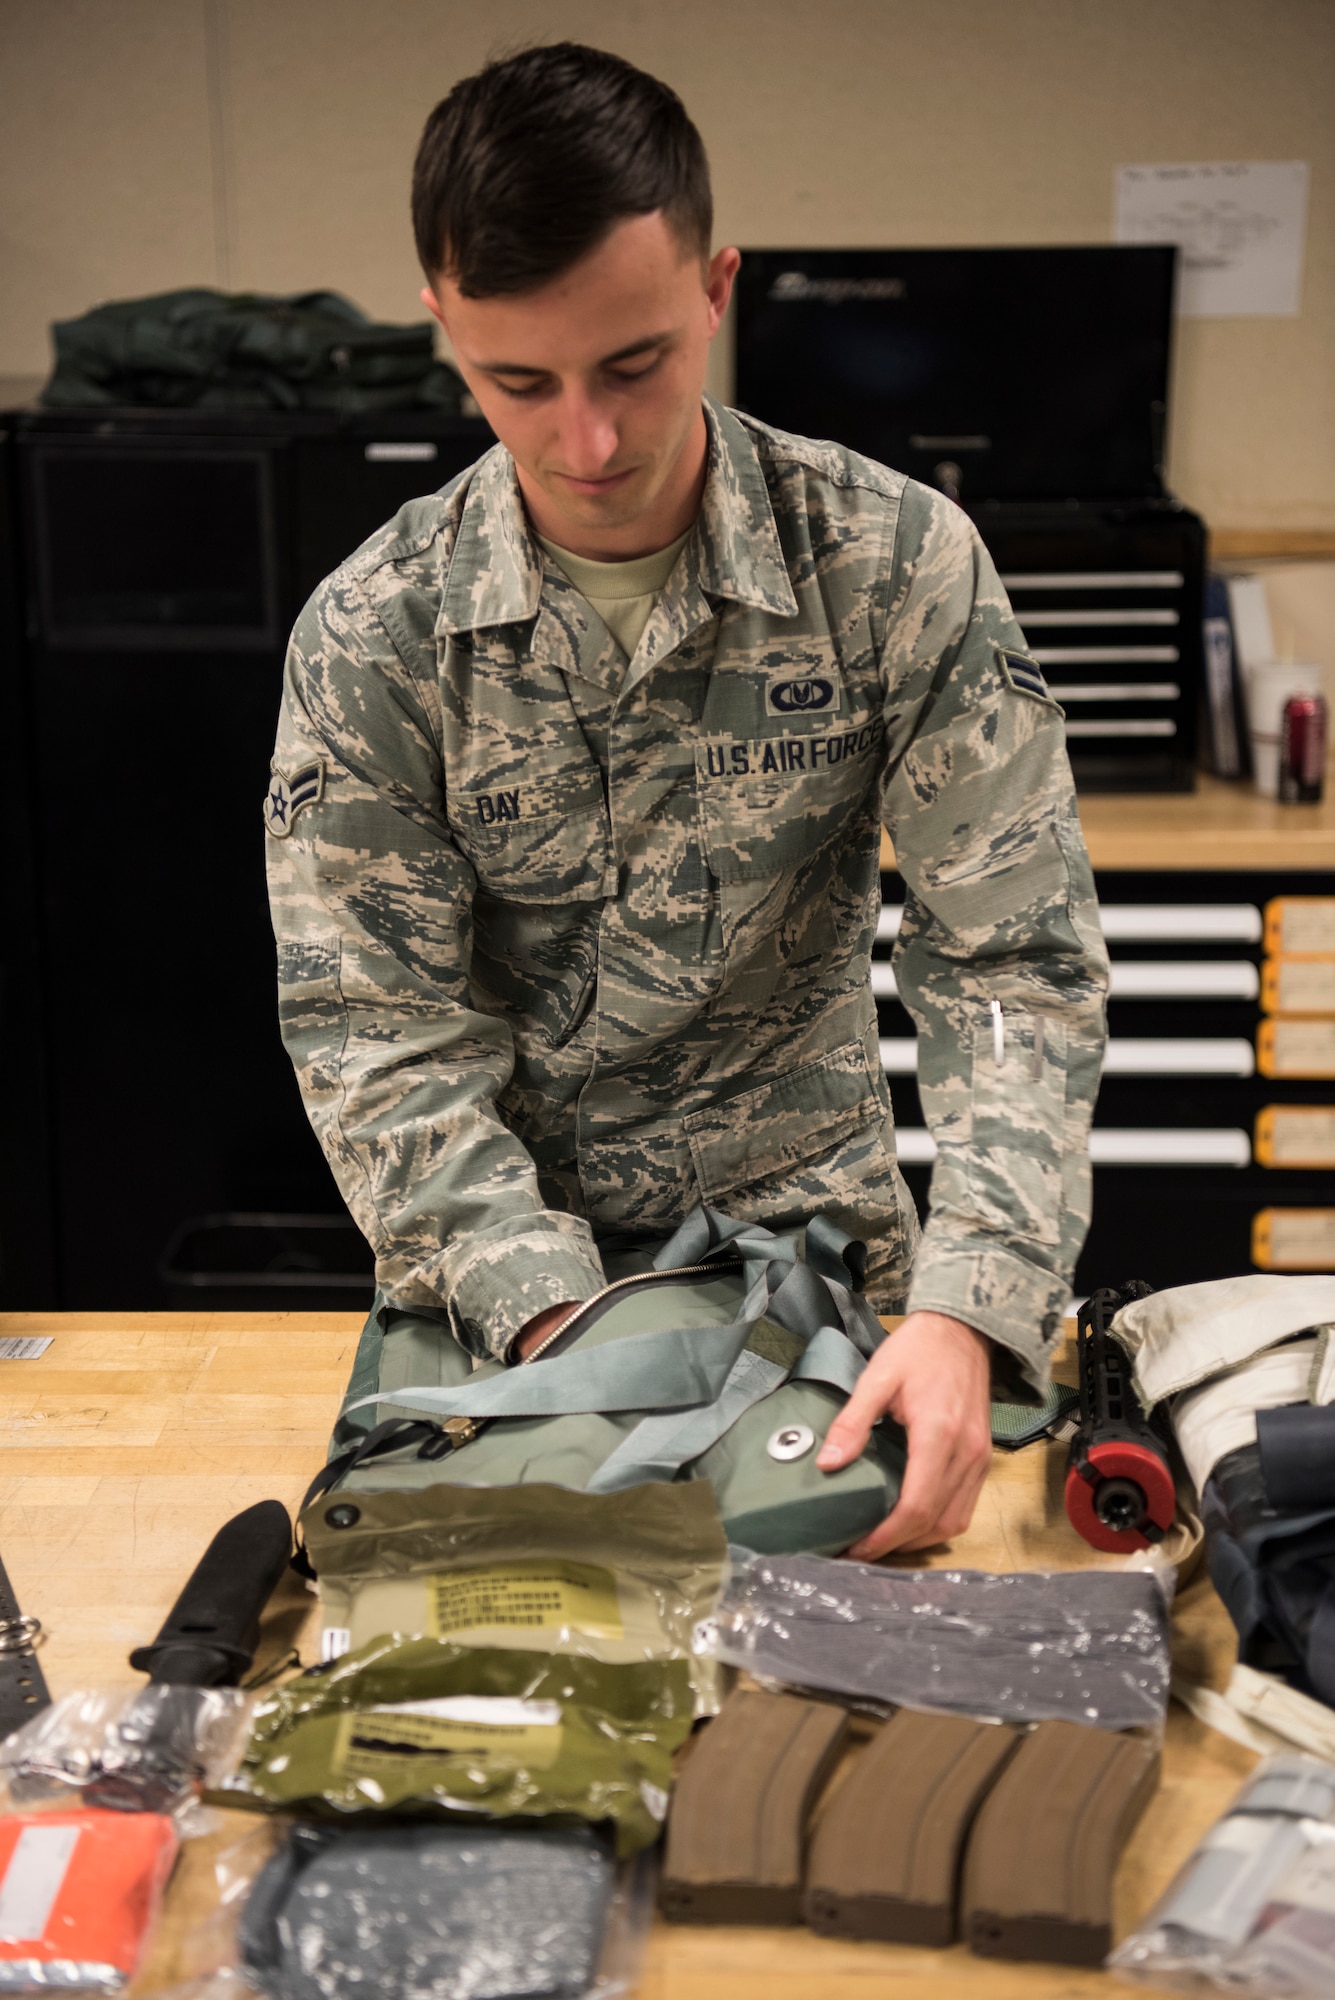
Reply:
x=531, y=1596
x=1300, y=923
x=1296, y=1135
x=1298, y=986
x=1296, y=1049
x=1294, y=1239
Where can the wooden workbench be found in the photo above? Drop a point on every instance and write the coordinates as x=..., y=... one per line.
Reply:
x=1219, y=825
x=135, y=1436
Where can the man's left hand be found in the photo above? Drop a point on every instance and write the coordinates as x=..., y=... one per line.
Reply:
x=933, y=1375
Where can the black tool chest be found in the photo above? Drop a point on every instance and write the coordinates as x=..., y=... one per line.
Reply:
x=1109, y=596
x=1182, y=1188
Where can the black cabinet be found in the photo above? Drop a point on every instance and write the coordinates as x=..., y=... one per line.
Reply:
x=155, y=564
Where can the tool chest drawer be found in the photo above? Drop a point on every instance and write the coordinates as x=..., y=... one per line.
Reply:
x=1214, y=1133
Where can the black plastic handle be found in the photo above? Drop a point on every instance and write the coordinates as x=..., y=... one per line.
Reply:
x=211, y=1631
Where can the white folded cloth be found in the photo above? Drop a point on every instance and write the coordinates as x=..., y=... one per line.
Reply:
x=1220, y=1416
x=1185, y=1336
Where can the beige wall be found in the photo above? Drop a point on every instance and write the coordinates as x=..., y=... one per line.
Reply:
x=267, y=143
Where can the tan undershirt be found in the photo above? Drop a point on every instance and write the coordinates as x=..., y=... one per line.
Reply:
x=622, y=593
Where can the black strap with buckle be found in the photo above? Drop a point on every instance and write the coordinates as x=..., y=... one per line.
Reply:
x=23, y=1689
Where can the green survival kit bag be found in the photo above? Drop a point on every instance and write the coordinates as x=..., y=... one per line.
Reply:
x=724, y=1354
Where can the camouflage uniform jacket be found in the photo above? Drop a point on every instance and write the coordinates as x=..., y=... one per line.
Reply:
x=568, y=943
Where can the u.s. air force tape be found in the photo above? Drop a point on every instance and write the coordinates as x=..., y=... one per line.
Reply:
x=287, y=795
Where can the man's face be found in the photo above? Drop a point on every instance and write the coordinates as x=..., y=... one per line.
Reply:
x=593, y=384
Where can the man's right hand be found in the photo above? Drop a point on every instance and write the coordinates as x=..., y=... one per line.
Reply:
x=535, y=1331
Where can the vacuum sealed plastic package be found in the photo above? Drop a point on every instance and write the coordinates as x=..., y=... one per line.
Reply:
x=1253, y=1908
x=152, y=1751
x=399, y=1910
x=79, y=1895
x=445, y=1910
x=1291, y=1952
x=1088, y=1646
x=619, y=1577
x=419, y=1723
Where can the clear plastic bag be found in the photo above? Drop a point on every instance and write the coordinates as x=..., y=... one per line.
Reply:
x=1250, y=1907
x=151, y=1751
x=1291, y=1952
x=398, y=1909
x=1089, y=1646
x=79, y=1896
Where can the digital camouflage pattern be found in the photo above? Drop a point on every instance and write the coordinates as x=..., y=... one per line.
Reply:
x=568, y=943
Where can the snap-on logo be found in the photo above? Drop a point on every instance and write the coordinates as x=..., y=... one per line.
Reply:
x=801, y=697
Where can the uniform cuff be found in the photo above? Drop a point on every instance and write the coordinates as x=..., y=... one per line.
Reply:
x=507, y=1275
x=1017, y=1305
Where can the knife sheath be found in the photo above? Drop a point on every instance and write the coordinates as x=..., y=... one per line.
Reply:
x=1038, y=1872
x=885, y=1852
x=736, y=1832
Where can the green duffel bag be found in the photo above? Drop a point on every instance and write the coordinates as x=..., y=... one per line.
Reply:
x=724, y=1354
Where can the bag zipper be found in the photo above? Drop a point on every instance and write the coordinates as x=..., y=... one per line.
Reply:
x=569, y=1324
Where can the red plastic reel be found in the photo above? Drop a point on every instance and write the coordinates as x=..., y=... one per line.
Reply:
x=1121, y=1460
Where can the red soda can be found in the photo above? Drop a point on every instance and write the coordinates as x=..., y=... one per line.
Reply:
x=1302, y=749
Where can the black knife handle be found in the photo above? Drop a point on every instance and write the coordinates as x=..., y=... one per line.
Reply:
x=211, y=1632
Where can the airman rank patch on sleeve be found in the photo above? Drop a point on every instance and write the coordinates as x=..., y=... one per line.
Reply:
x=1023, y=675
x=286, y=796
x=803, y=694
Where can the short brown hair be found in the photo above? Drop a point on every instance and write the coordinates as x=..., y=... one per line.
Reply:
x=526, y=167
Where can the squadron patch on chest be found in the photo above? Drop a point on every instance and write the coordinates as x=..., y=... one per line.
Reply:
x=803, y=694
x=1023, y=675
x=287, y=795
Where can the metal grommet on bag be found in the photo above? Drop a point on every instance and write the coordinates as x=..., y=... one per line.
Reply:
x=343, y=1515
x=793, y=1441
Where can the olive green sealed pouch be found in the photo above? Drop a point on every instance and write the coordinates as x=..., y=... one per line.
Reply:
x=617, y=1576
x=422, y=1725
x=724, y=1355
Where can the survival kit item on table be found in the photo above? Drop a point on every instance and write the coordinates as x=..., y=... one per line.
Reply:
x=619, y=1577
x=79, y=1896
x=916, y=1831
x=153, y=1750
x=1245, y=1368
x=409, y=1724
x=1120, y=1491
x=1252, y=1910
x=724, y=1354
x=1091, y=1646
x=399, y=1909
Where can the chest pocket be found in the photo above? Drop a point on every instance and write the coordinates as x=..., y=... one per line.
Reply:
x=767, y=805
x=538, y=840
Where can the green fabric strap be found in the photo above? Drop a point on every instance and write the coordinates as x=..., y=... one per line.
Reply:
x=694, y=1382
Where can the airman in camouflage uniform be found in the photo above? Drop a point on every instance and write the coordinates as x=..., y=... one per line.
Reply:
x=568, y=943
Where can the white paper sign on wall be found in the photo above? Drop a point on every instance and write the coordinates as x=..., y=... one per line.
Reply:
x=1240, y=225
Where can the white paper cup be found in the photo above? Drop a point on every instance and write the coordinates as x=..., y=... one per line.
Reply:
x=1268, y=688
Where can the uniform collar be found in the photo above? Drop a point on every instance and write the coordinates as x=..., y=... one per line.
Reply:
x=495, y=575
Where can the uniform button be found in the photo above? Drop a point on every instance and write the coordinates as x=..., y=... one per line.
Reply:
x=793, y=1441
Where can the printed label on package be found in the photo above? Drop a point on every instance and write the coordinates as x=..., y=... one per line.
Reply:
x=539, y=1595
